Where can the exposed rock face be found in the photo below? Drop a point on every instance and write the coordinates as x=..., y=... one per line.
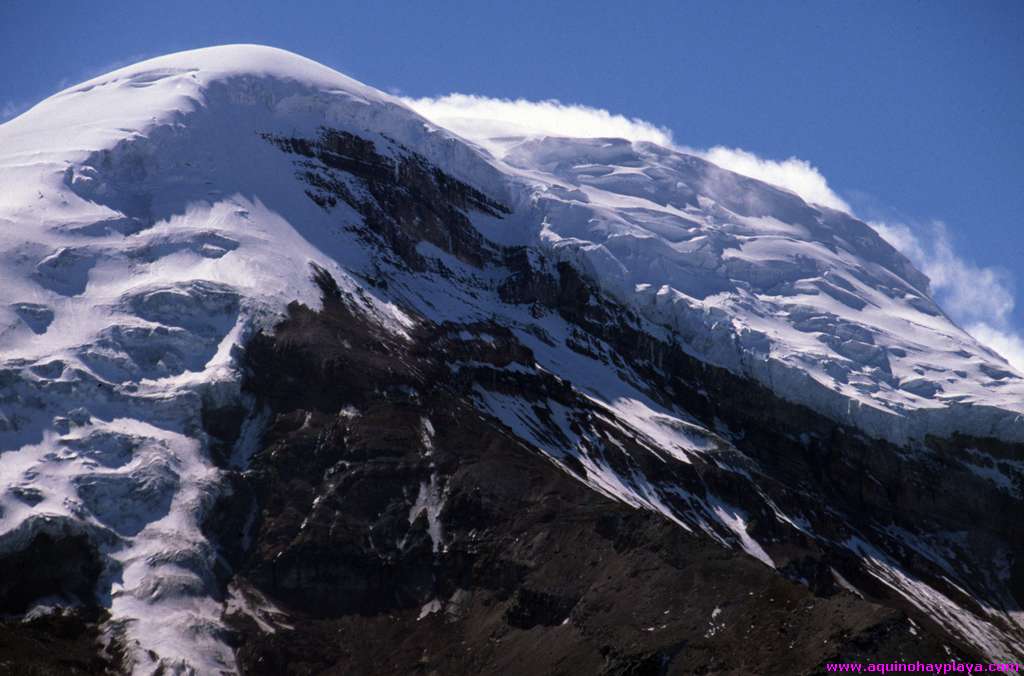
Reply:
x=403, y=201
x=53, y=570
x=50, y=566
x=400, y=530
x=55, y=645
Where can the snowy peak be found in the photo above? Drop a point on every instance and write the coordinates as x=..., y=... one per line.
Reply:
x=248, y=84
x=137, y=96
x=156, y=219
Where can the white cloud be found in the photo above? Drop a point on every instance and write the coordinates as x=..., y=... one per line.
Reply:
x=9, y=110
x=1007, y=343
x=794, y=174
x=480, y=118
x=980, y=299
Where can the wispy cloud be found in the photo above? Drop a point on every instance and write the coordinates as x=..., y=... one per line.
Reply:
x=479, y=118
x=1005, y=342
x=10, y=110
x=89, y=72
x=799, y=176
x=969, y=292
x=981, y=299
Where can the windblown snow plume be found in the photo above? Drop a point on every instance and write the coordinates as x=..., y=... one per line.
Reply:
x=481, y=118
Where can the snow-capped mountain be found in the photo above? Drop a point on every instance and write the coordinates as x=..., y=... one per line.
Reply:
x=236, y=282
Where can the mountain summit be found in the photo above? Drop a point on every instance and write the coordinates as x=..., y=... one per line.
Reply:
x=296, y=380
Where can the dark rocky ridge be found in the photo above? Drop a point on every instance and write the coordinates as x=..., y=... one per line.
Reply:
x=402, y=201
x=535, y=572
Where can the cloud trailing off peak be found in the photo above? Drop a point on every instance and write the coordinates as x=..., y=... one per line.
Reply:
x=794, y=174
x=980, y=299
x=480, y=118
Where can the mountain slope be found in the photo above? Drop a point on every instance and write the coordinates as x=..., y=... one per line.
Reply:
x=238, y=286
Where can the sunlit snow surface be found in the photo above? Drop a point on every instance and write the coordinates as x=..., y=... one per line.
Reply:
x=807, y=299
x=146, y=229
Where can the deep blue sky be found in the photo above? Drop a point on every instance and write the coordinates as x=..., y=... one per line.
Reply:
x=910, y=106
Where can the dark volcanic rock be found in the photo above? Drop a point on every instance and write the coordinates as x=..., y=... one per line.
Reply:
x=402, y=201
x=402, y=531
x=49, y=567
x=51, y=571
x=66, y=643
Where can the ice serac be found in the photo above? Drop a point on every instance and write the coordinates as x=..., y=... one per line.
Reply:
x=680, y=340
